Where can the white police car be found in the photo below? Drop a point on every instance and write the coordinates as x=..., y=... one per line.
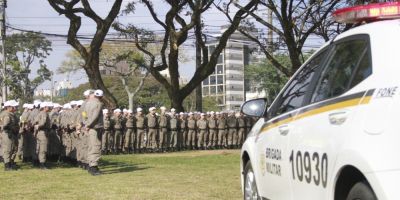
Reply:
x=333, y=132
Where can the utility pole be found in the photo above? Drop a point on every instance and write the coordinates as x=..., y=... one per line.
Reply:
x=199, y=96
x=3, y=6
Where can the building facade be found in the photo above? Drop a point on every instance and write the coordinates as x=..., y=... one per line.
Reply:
x=227, y=83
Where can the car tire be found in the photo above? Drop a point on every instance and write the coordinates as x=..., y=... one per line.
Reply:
x=361, y=191
x=250, y=185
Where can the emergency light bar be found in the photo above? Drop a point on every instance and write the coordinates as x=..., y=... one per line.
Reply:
x=368, y=13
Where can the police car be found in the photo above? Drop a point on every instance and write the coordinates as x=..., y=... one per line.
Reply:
x=333, y=132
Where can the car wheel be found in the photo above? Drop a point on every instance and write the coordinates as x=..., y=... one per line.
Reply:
x=361, y=191
x=250, y=186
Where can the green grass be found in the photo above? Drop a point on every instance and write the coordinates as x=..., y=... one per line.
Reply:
x=183, y=175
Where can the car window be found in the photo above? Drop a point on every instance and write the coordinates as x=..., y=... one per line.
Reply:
x=349, y=58
x=295, y=92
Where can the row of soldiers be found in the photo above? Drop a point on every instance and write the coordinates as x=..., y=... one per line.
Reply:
x=70, y=133
x=79, y=131
x=127, y=132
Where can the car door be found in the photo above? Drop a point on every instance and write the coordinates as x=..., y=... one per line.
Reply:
x=272, y=143
x=323, y=125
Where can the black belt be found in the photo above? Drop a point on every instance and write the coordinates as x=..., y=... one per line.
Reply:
x=174, y=129
x=163, y=127
x=153, y=128
x=192, y=129
x=140, y=128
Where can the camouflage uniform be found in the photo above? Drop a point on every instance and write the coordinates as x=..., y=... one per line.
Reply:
x=174, y=130
x=130, y=133
x=232, y=130
x=212, y=125
x=191, y=138
x=9, y=126
x=43, y=125
x=221, y=122
x=141, y=125
x=183, y=132
x=105, y=147
x=202, y=125
x=152, y=124
x=241, y=130
x=117, y=121
x=164, y=136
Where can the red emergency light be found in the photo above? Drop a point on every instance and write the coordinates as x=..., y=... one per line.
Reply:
x=368, y=13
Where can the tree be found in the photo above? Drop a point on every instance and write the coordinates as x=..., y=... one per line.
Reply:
x=181, y=18
x=114, y=57
x=152, y=93
x=134, y=61
x=293, y=22
x=26, y=51
x=72, y=10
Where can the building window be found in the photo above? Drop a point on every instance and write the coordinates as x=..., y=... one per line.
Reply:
x=220, y=100
x=205, y=81
x=220, y=89
x=220, y=69
x=220, y=59
x=212, y=80
x=206, y=91
x=212, y=90
x=220, y=79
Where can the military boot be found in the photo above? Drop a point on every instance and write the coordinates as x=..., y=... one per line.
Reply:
x=43, y=166
x=94, y=171
x=7, y=167
x=13, y=165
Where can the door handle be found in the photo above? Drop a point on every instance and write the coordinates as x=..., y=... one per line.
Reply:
x=284, y=129
x=338, y=118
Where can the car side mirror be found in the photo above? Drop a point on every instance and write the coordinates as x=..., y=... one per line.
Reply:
x=255, y=107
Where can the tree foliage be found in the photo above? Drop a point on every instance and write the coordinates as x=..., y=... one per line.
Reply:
x=181, y=17
x=25, y=52
x=73, y=10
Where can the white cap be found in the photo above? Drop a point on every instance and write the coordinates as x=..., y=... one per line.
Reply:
x=173, y=109
x=212, y=112
x=105, y=111
x=37, y=103
x=11, y=103
x=190, y=113
x=152, y=108
x=49, y=104
x=124, y=110
x=217, y=113
x=129, y=111
x=202, y=114
x=56, y=105
x=30, y=106
x=98, y=93
x=139, y=109
x=67, y=106
x=73, y=103
x=117, y=110
x=181, y=113
x=43, y=104
x=163, y=108
x=80, y=102
x=87, y=92
x=25, y=105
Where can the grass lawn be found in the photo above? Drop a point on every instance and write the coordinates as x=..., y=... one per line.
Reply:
x=184, y=175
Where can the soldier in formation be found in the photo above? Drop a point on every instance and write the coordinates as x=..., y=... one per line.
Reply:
x=80, y=131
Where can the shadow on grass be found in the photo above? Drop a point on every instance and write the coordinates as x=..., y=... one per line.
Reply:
x=113, y=167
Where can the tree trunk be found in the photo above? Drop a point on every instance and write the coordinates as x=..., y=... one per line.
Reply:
x=176, y=101
x=130, y=100
x=96, y=81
